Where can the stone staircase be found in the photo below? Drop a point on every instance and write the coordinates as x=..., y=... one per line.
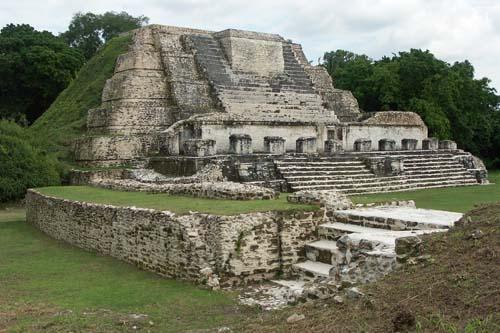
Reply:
x=287, y=96
x=362, y=248
x=353, y=246
x=349, y=174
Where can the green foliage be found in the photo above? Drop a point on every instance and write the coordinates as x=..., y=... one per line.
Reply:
x=66, y=117
x=453, y=104
x=175, y=203
x=24, y=164
x=35, y=66
x=88, y=32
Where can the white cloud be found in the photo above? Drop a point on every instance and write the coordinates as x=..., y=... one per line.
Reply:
x=453, y=30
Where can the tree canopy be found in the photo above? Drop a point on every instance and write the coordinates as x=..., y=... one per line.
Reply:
x=453, y=104
x=88, y=32
x=34, y=67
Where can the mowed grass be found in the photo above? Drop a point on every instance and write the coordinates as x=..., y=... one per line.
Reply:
x=456, y=199
x=175, y=203
x=48, y=286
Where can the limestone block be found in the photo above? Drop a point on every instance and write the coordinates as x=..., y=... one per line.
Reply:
x=199, y=147
x=333, y=147
x=192, y=95
x=409, y=144
x=363, y=144
x=240, y=144
x=253, y=52
x=386, y=145
x=385, y=166
x=140, y=84
x=127, y=117
x=138, y=60
x=181, y=66
x=447, y=144
x=430, y=144
x=274, y=145
x=112, y=148
x=306, y=145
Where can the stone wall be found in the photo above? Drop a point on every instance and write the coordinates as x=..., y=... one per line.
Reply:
x=239, y=248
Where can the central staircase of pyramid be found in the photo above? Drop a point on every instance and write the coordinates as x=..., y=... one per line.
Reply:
x=288, y=96
x=349, y=174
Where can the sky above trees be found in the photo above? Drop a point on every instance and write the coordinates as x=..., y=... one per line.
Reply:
x=453, y=30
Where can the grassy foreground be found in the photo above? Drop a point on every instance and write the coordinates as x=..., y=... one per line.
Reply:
x=47, y=286
x=456, y=199
x=175, y=203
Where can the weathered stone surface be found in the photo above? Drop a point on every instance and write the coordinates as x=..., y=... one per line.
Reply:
x=430, y=144
x=238, y=249
x=447, y=144
x=240, y=144
x=409, y=144
x=363, y=145
x=199, y=147
x=386, y=145
x=216, y=190
x=384, y=166
x=306, y=145
x=274, y=145
x=330, y=199
x=333, y=147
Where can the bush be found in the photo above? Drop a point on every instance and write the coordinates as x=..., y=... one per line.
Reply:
x=23, y=164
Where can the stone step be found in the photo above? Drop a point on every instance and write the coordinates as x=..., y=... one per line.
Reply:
x=353, y=191
x=344, y=178
x=339, y=172
x=342, y=185
x=322, y=163
x=396, y=218
x=427, y=159
x=413, y=187
x=441, y=178
x=324, y=251
x=431, y=172
x=311, y=270
x=433, y=165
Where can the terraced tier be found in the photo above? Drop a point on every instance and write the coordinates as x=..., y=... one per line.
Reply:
x=350, y=175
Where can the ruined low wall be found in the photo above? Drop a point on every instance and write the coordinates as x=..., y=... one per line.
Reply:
x=239, y=248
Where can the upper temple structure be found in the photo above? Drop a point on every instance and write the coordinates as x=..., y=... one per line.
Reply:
x=181, y=97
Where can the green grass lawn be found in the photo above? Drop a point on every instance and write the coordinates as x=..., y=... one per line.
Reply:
x=457, y=199
x=48, y=286
x=175, y=203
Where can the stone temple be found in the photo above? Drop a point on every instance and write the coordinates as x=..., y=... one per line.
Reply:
x=182, y=98
x=243, y=115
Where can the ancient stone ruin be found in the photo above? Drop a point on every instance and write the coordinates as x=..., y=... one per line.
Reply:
x=243, y=115
x=183, y=98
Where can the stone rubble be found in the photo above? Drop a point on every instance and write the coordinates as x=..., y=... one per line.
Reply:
x=212, y=190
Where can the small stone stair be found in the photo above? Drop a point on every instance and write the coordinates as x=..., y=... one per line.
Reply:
x=361, y=251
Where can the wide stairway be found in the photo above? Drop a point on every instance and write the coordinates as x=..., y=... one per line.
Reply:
x=287, y=96
x=349, y=174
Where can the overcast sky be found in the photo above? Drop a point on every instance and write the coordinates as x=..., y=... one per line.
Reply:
x=454, y=30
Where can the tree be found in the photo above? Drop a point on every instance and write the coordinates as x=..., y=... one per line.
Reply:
x=88, y=32
x=453, y=104
x=34, y=67
x=23, y=163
